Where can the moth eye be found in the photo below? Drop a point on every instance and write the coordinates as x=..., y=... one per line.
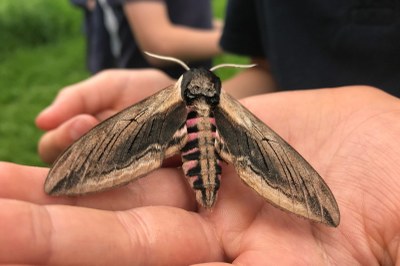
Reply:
x=213, y=100
x=189, y=95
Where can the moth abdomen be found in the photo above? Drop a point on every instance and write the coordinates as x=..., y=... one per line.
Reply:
x=201, y=162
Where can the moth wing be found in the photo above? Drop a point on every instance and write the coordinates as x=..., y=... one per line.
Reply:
x=269, y=165
x=122, y=148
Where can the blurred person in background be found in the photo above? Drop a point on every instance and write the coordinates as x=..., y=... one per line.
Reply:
x=316, y=44
x=118, y=31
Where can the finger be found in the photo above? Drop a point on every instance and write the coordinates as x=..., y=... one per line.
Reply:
x=56, y=141
x=65, y=235
x=213, y=264
x=22, y=182
x=86, y=97
x=108, y=91
x=165, y=186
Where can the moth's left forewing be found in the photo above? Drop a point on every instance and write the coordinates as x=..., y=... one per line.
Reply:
x=122, y=148
x=269, y=165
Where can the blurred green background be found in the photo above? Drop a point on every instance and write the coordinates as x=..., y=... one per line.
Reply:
x=42, y=49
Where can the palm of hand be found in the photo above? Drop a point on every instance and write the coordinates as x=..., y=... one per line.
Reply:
x=346, y=144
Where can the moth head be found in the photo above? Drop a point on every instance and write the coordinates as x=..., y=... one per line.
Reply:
x=199, y=83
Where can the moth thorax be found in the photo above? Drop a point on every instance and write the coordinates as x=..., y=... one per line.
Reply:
x=201, y=107
x=200, y=83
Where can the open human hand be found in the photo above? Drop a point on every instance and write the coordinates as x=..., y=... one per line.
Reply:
x=348, y=134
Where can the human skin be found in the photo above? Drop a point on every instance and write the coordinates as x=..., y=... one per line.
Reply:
x=155, y=32
x=349, y=134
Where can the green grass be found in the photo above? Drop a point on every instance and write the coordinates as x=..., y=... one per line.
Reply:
x=42, y=50
x=35, y=22
x=29, y=80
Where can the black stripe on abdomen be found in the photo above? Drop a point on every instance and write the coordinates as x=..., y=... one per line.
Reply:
x=201, y=163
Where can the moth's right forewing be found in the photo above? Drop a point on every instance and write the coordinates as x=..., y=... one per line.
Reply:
x=123, y=147
x=269, y=165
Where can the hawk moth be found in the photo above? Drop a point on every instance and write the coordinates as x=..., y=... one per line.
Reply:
x=196, y=117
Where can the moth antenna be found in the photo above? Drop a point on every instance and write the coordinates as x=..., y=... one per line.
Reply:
x=168, y=58
x=232, y=65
